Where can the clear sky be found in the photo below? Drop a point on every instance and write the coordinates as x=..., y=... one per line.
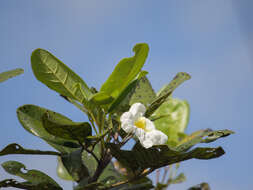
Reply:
x=210, y=39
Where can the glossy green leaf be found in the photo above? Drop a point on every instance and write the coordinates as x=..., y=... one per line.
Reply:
x=30, y=116
x=17, y=149
x=202, y=136
x=74, y=165
x=57, y=76
x=32, y=176
x=66, y=129
x=166, y=92
x=125, y=71
x=9, y=74
x=62, y=172
x=122, y=102
x=174, y=117
x=140, y=158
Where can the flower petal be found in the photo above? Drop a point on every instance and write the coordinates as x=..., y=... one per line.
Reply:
x=149, y=125
x=126, y=116
x=140, y=133
x=127, y=122
x=156, y=137
x=128, y=127
x=137, y=110
x=147, y=143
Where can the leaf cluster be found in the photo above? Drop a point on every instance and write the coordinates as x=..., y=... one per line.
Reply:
x=91, y=153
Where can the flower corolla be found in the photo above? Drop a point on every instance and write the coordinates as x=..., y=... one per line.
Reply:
x=134, y=122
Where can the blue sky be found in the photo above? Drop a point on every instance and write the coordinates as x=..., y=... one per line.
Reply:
x=210, y=39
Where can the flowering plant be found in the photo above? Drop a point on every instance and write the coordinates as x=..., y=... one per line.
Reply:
x=92, y=154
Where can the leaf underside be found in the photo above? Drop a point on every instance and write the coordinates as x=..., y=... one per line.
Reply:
x=9, y=74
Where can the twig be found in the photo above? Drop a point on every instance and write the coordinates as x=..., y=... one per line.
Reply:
x=145, y=173
x=157, y=176
x=166, y=169
x=126, y=139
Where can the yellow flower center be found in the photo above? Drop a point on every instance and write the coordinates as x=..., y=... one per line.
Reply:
x=140, y=123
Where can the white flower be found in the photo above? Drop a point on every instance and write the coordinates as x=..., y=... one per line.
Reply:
x=134, y=122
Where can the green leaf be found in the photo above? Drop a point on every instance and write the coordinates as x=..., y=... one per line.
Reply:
x=122, y=102
x=202, y=186
x=202, y=136
x=74, y=165
x=32, y=176
x=27, y=185
x=62, y=172
x=140, y=158
x=17, y=149
x=174, y=117
x=166, y=92
x=214, y=135
x=66, y=129
x=9, y=74
x=101, y=98
x=30, y=116
x=142, y=93
x=125, y=71
x=57, y=76
x=89, y=161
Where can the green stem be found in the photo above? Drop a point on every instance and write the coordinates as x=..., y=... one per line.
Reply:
x=92, y=123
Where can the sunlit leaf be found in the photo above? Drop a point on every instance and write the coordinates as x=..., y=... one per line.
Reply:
x=125, y=71
x=34, y=177
x=174, y=117
x=166, y=92
x=101, y=98
x=57, y=76
x=122, y=102
x=62, y=172
x=17, y=149
x=66, y=129
x=201, y=136
x=9, y=74
x=30, y=116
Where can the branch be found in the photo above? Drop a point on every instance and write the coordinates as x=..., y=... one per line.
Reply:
x=144, y=174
